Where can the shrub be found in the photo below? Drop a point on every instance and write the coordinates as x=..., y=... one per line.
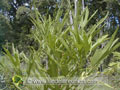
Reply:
x=63, y=52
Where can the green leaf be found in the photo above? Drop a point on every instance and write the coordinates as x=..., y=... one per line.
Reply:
x=99, y=42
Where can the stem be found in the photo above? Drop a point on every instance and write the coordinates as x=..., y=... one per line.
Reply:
x=83, y=5
x=76, y=1
x=71, y=19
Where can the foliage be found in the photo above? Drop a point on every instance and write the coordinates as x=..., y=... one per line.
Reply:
x=18, y=13
x=104, y=6
x=62, y=51
x=5, y=27
x=113, y=70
